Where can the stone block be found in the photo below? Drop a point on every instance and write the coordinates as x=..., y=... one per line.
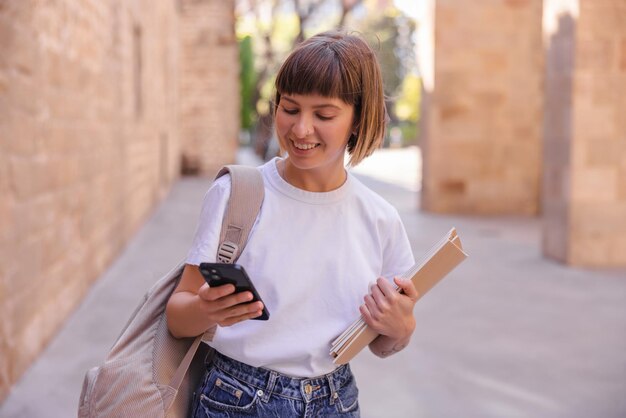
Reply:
x=596, y=220
x=595, y=123
x=7, y=220
x=606, y=151
x=621, y=181
x=589, y=251
x=23, y=181
x=594, y=184
x=617, y=249
x=594, y=54
x=19, y=135
x=600, y=19
x=622, y=55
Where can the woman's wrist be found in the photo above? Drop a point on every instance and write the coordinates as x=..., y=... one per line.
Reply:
x=185, y=316
x=385, y=346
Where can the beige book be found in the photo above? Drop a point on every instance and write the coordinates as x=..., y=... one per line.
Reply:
x=426, y=273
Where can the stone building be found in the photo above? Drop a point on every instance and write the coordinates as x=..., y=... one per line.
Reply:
x=523, y=113
x=99, y=99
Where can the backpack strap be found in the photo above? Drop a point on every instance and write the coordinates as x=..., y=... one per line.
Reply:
x=244, y=203
x=246, y=197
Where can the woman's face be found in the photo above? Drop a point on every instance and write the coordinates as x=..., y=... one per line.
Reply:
x=314, y=129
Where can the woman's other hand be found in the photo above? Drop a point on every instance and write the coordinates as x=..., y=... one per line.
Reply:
x=390, y=313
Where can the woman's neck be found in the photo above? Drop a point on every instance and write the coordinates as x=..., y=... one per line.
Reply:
x=322, y=179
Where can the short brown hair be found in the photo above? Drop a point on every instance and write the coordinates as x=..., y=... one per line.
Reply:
x=340, y=65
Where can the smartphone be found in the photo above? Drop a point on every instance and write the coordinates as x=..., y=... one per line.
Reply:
x=218, y=274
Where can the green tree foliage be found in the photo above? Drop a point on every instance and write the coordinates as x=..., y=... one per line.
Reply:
x=391, y=35
x=386, y=31
x=247, y=77
x=408, y=102
x=407, y=107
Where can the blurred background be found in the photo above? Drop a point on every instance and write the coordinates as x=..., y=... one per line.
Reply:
x=506, y=120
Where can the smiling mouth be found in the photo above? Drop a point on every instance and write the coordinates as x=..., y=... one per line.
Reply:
x=304, y=147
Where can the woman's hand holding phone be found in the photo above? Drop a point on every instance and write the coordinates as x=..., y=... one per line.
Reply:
x=195, y=307
x=217, y=275
x=225, y=307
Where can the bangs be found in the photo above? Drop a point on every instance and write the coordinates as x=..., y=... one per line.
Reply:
x=316, y=68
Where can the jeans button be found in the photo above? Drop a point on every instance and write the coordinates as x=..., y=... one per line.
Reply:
x=259, y=392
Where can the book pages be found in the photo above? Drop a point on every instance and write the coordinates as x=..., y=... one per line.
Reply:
x=441, y=259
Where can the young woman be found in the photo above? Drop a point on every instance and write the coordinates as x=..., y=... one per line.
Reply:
x=323, y=249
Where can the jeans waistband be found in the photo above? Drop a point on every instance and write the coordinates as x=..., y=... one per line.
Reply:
x=270, y=382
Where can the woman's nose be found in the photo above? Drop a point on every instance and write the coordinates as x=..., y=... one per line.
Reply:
x=303, y=127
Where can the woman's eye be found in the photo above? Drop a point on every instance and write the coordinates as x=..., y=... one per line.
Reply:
x=290, y=111
x=323, y=117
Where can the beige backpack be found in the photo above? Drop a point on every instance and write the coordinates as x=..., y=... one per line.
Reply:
x=149, y=373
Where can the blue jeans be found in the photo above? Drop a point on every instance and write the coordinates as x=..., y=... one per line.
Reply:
x=234, y=389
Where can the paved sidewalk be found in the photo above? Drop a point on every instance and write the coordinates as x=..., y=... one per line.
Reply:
x=507, y=334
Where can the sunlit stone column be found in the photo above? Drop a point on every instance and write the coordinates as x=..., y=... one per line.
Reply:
x=482, y=66
x=585, y=132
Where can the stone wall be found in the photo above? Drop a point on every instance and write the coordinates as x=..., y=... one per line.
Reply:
x=483, y=103
x=209, y=112
x=89, y=143
x=585, y=132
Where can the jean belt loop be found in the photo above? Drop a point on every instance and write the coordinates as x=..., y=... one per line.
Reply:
x=331, y=385
x=271, y=382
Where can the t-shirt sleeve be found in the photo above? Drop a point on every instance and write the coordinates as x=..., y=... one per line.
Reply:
x=397, y=256
x=205, y=241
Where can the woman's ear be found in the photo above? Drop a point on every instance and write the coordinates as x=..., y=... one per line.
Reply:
x=352, y=142
x=355, y=127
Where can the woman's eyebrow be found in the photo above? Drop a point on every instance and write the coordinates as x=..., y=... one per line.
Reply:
x=290, y=100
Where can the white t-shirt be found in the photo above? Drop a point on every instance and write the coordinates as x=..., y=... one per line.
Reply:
x=312, y=257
